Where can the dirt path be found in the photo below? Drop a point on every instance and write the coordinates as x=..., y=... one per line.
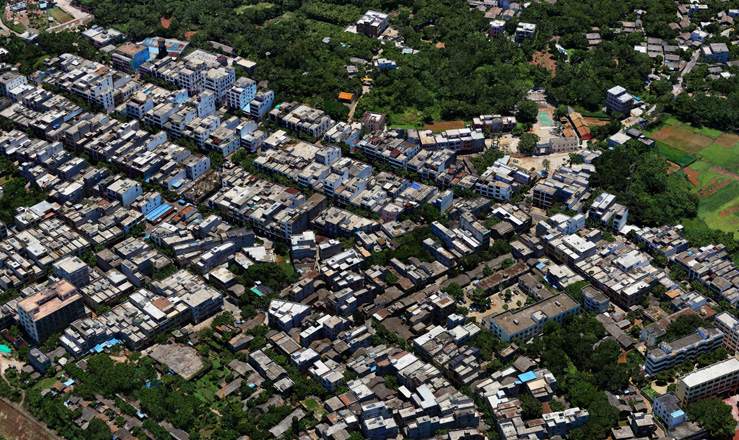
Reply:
x=724, y=172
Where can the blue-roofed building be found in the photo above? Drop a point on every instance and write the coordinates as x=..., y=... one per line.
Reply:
x=527, y=376
x=667, y=408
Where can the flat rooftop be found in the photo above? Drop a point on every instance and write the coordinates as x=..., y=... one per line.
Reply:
x=49, y=300
x=181, y=359
x=712, y=372
x=525, y=317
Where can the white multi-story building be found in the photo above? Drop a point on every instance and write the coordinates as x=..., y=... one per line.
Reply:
x=729, y=325
x=243, y=91
x=608, y=213
x=72, y=269
x=10, y=80
x=124, y=190
x=219, y=81
x=714, y=380
x=670, y=354
x=196, y=165
x=528, y=322
x=618, y=100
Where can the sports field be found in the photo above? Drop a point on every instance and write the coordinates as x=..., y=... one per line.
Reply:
x=545, y=120
x=709, y=160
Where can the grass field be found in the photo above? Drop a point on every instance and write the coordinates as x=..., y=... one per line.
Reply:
x=698, y=150
x=60, y=16
x=258, y=6
x=727, y=158
x=675, y=155
x=722, y=197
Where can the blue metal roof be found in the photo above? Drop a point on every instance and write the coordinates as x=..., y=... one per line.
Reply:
x=525, y=377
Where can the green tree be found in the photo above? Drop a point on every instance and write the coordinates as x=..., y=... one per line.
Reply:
x=527, y=111
x=527, y=143
x=530, y=406
x=714, y=416
x=455, y=291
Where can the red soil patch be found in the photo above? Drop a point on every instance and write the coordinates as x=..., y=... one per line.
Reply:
x=592, y=122
x=446, y=125
x=673, y=167
x=190, y=34
x=546, y=60
x=727, y=140
x=692, y=176
x=729, y=211
x=713, y=186
x=165, y=21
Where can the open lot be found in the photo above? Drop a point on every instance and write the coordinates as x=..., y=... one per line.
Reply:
x=15, y=426
x=60, y=16
x=709, y=160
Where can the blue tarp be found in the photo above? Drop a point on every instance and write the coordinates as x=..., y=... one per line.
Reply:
x=69, y=383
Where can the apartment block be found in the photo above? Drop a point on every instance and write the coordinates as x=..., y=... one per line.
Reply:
x=73, y=270
x=608, y=213
x=618, y=100
x=718, y=379
x=243, y=92
x=729, y=325
x=372, y=23
x=671, y=354
x=10, y=80
x=528, y=322
x=50, y=310
x=130, y=56
x=300, y=117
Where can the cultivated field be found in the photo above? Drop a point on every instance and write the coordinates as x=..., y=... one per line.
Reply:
x=709, y=160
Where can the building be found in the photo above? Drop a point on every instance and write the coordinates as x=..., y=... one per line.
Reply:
x=39, y=360
x=528, y=322
x=100, y=37
x=524, y=31
x=595, y=300
x=670, y=354
x=130, y=56
x=497, y=27
x=372, y=23
x=261, y=103
x=72, y=269
x=715, y=52
x=50, y=310
x=729, y=325
x=10, y=80
x=124, y=190
x=608, y=213
x=618, y=100
x=196, y=165
x=715, y=380
x=667, y=408
x=286, y=315
x=373, y=121
x=300, y=117
x=218, y=81
x=243, y=92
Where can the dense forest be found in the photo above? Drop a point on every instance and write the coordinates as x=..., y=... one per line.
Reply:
x=457, y=72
